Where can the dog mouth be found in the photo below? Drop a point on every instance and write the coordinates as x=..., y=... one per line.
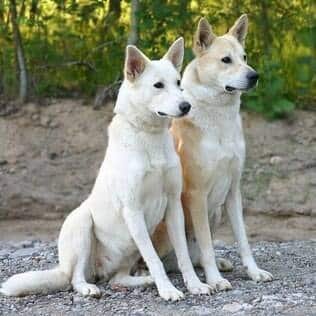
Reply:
x=163, y=114
x=231, y=89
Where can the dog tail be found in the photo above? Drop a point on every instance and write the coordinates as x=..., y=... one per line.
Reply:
x=34, y=282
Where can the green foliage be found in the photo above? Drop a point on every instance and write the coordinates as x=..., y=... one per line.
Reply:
x=72, y=47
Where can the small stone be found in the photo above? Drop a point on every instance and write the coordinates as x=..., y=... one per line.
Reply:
x=35, y=117
x=77, y=299
x=269, y=297
x=236, y=292
x=219, y=243
x=259, y=171
x=309, y=122
x=247, y=306
x=4, y=253
x=24, y=252
x=53, y=124
x=24, y=244
x=45, y=121
x=278, y=305
x=275, y=160
x=232, y=307
x=310, y=281
x=52, y=156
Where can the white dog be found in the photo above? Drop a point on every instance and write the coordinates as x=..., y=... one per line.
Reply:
x=138, y=185
x=211, y=147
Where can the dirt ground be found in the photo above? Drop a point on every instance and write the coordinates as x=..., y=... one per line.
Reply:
x=259, y=227
x=50, y=155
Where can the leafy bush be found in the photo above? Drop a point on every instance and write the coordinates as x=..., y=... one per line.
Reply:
x=72, y=47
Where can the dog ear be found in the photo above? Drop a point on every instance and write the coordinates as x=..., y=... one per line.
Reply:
x=240, y=28
x=175, y=53
x=203, y=37
x=135, y=63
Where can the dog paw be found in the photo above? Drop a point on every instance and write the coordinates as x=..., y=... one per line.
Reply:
x=5, y=291
x=224, y=265
x=141, y=272
x=147, y=280
x=198, y=288
x=87, y=289
x=259, y=275
x=170, y=293
x=220, y=284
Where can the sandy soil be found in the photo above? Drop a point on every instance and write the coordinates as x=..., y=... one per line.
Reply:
x=259, y=227
x=51, y=153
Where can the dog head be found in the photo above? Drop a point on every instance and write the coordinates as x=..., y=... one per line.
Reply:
x=153, y=86
x=221, y=60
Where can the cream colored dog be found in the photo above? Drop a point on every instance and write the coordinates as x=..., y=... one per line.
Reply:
x=211, y=147
x=138, y=185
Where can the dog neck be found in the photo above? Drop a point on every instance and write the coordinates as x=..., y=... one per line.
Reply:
x=148, y=124
x=145, y=121
x=211, y=108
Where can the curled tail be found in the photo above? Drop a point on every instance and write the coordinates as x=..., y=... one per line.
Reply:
x=35, y=282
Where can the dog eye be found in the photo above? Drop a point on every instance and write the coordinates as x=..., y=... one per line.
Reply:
x=245, y=57
x=226, y=60
x=178, y=83
x=159, y=85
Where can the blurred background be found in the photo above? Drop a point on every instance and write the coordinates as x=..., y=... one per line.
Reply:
x=60, y=69
x=73, y=47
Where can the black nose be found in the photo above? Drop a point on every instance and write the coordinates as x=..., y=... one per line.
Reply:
x=252, y=77
x=185, y=107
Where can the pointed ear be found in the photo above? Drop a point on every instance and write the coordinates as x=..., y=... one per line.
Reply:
x=135, y=63
x=175, y=53
x=203, y=37
x=239, y=29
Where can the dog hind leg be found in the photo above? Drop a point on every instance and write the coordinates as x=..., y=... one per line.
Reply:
x=199, y=211
x=76, y=244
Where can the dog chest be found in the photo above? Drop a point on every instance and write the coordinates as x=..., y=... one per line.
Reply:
x=154, y=211
x=224, y=163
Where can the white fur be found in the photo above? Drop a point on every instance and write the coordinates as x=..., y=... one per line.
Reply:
x=139, y=184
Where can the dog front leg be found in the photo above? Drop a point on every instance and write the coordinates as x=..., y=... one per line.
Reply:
x=176, y=232
x=137, y=227
x=199, y=213
x=235, y=213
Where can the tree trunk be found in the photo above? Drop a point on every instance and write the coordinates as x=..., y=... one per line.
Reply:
x=23, y=94
x=33, y=11
x=133, y=34
x=22, y=10
x=267, y=37
x=2, y=11
x=115, y=8
x=113, y=14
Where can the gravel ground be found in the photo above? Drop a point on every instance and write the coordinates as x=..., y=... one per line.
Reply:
x=293, y=291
